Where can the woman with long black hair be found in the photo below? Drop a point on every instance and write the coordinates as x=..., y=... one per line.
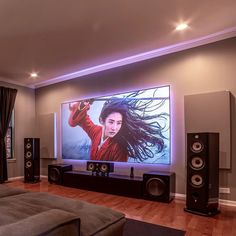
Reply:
x=129, y=128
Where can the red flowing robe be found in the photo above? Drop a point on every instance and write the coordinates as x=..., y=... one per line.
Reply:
x=109, y=150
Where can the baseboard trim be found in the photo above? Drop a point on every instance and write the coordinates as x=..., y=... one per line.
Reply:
x=222, y=202
x=22, y=177
x=44, y=176
x=15, y=178
x=178, y=196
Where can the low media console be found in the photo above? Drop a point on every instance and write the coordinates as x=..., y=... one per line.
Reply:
x=114, y=184
x=154, y=185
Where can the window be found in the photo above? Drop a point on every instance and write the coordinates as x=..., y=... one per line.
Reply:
x=9, y=138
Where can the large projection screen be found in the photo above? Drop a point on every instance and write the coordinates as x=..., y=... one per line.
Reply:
x=128, y=127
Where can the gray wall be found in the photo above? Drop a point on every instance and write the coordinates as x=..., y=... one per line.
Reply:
x=24, y=126
x=203, y=69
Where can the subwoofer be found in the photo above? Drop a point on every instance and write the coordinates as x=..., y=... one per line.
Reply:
x=159, y=186
x=103, y=168
x=56, y=172
x=202, y=193
x=31, y=160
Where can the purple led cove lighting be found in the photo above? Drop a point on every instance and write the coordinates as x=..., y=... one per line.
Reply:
x=228, y=33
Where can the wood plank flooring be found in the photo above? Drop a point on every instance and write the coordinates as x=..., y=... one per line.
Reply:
x=170, y=215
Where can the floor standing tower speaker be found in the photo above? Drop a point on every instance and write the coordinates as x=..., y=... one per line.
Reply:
x=32, y=160
x=202, y=173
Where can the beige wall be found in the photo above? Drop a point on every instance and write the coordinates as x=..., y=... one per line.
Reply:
x=24, y=126
x=200, y=70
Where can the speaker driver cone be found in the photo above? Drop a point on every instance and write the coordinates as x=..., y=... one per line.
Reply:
x=91, y=167
x=104, y=168
x=54, y=174
x=197, y=163
x=28, y=145
x=155, y=187
x=28, y=155
x=197, y=181
x=28, y=164
x=197, y=147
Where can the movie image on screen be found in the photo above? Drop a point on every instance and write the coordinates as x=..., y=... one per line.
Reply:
x=130, y=127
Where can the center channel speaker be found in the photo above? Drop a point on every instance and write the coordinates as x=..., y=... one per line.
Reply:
x=159, y=186
x=31, y=160
x=202, y=193
x=56, y=172
x=103, y=168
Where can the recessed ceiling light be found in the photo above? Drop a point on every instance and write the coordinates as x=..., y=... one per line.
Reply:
x=181, y=26
x=33, y=74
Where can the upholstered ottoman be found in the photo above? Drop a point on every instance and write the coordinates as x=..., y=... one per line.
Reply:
x=24, y=208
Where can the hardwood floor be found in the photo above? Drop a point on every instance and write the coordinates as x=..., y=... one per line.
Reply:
x=171, y=215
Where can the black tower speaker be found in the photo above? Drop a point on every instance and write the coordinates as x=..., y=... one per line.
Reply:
x=56, y=172
x=159, y=186
x=202, y=173
x=32, y=160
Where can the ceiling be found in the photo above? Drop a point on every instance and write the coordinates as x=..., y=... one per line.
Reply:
x=65, y=39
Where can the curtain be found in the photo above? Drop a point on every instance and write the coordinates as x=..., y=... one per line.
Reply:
x=7, y=101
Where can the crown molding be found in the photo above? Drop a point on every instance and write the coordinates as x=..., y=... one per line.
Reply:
x=211, y=38
x=15, y=82
x=228, y=33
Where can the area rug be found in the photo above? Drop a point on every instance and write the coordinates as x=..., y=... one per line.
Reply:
x=139, y=228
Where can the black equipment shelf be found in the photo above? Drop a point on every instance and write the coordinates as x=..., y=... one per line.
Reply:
x=112, y=184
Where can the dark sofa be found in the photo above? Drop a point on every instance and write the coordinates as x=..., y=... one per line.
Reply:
x=31, y=213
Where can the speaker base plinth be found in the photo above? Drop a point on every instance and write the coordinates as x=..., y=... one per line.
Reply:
x=32, y=182
x=209, y=213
